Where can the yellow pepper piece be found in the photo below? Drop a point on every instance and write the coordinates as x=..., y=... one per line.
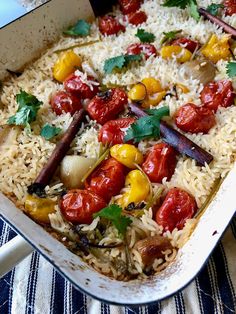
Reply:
x=184, y=88
x=217, y=48
x=154, y=100
x=138, y=191
x=152, y=85
x=39, y=208
x=182, y=54
x=127, y=155
x=138, y=92
x=65, y=65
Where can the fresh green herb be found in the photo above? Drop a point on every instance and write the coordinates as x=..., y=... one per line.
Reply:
x=148, y=126
x=145, y=37
x=114, y=214
x=231, y=69
x=183, y=4
x=49, y=131
x=81, y=28
x=27, y=110
x=170, y=36
x=119, y=62
x=214, y=8
x=193, y=8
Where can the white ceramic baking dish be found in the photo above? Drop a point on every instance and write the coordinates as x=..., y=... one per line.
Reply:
x=21, y=41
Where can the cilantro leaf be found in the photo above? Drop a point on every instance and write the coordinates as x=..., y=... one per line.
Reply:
x=231, y=69
x=170, y=36
x=49, y=131
x=114, y=214
x=214, y=8
x=81, y=28
x=145, y=37
x=119, y=62
x=183, y=4
x=28, y=106
x=194, y=10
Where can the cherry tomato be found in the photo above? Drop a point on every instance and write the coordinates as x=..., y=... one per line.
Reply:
x=108, y=25
x=137, y=18
x=177, y=207
x=107, y=105
x=189, y=44
x=147, y=49
x=78, y=206
x=217, y=94
x=229, y=7
x=194, y=119
x=160, y=162
x=112, y=131
x=63, y=102
x=129, y=6
x=84, y=88
x=107, y=180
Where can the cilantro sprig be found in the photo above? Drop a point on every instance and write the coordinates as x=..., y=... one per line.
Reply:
x=214, y=8
x=231, y=69
x=28, y=106
x=81, y=28
x=49, y=131
x=119, y=62
x=114, y=214
x=145, y=37
x=183, y=4
x=169, y=36
x=148, y=126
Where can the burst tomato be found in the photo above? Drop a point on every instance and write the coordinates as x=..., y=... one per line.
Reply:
x=78, y=206
x=137, y=18
x=108, y=25
x=147, y=49
x=229, y=7
x=217, y=94
x=129, y=6
x=113, y=131
x=81, y=85
x=63, y=102
x=178, y=206
x=107, y=105
x=194, y=119
x=160, y=162
x=189, y=44
x=107, y=180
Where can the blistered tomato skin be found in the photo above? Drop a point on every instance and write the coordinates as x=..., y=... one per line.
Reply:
x=229, y=7
x=177, y=207
x=107, y=180
x=137, y=18
x=194, y=119
x=217, y=94
x=129, y=6
x=113, y=131
x=186, y=43
x=107, y=105
x=147, y=49
x=160, y=162
x=78, y=206
x=75, y=85
x=63, y=102
x=108, y=25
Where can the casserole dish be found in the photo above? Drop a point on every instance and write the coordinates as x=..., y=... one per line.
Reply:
x=135, y=292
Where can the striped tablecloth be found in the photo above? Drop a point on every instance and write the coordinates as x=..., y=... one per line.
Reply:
x=35, y=287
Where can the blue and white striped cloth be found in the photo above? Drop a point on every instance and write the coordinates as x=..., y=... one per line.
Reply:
x=35, y=287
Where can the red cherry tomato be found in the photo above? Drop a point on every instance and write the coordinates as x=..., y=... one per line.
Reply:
x=112, y=131
x=84, y=88
x=189, y=44
x=217, y=94
x=194, y=119
x=78, y=206
x=63, y=102
x=129, y=6
x=137, y=18
x=160, y=162
x=107, y=180
x=108, y=25
x=147, y=49
x=107, y=105
x=177, y=207
x=229, y=7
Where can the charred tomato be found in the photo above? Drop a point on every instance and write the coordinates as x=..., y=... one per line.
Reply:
x=189, y=44
x=63, y=102
x=146, y=49
x=137, y=18
x=129, y=6
x=108, y=25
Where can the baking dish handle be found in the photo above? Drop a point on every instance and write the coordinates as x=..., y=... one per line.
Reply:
x=12, y=253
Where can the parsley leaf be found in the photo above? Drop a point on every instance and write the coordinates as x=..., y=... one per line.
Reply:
x=214, y=8
x=231, y=69
x=27, y=110
x=119, y=62
x=170, y=36
x=148, y=126
x=183, y=4
x=49, y=131
x=145, y=37
x=81, y=28
x=113, y=213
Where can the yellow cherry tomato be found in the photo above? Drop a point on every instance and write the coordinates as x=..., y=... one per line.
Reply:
x=152, y=85
x=183, y=88
x=182, y=55
x=65, y=65
x=138, y=92
x=127, y=155
x=153, y=100
x=39, y=208
x=217, y=48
